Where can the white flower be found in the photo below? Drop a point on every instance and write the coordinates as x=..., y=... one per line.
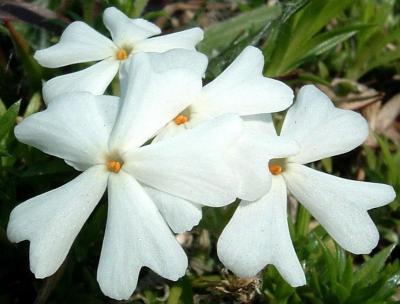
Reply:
x=81, y=43
x=241, y=89
x=258, y=232
x=104, y=138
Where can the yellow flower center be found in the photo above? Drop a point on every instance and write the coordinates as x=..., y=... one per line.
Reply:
x=275, y=169
x=121, y=54
x=114, y=166
x=181, y=119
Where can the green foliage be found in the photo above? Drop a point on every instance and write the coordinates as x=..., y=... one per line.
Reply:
x=333, y=278
x=134, y=9
x=371, y=45
x=297, y=36
x=8, y=119
x=222, y=35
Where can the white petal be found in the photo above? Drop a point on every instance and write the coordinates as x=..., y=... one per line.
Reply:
x=320, y=129
x=94, y=79
x=193, y=164
x=136, y=236
x=243, y=89
x=197, y=116
x=258, y=235
x=170, y=130
x=261, y=124
x=180, y=59
x=150, y=99
x=78, y=43
x=251, y=155
x=75, y=127
x=181, y=215
x=52, y=221
x=126, y=32
x=180, y=40
x=260, y=129
x=340, y=205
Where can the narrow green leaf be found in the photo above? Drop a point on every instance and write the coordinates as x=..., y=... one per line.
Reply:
x=3, y=108
x=7, y=121
x=33, y=105
x=291, y=44
x=302, y=221
x=370, y=269
x=330, y=262
x=220, y=35
x=388, y=159
x=4, y=152
x=291, y=7
x=88, y=8
x=347, y=275
x=175, y=293
x=32, y=68
x=327, y=164
x=316, y=15
x=280, y=36
x=220, y=62
x=138, y=8
x=328, y=43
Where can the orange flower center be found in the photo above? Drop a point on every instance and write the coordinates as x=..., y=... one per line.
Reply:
x=114, y=166
x=181, y=119
x=121, y=54
x=275, y=169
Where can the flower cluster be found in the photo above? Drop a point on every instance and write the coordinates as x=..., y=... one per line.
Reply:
x=168, y=146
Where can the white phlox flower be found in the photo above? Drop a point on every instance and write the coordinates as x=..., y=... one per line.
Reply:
x=81, y=43
x=104, y=137
x=258, y=232
x=241, y=89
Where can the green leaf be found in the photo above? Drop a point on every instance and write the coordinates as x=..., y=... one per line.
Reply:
x=33, y=105
x=175, y=293
x=324, y=42
x=293, y=39
x=315, y=16
x=330, y=262
x=138, y=8
x=220, y=35
x=46, y=167
x=220, y=62
x=89, y=11
x=370, y=269
x=4, y=152
x=370, y=48
x=302, y=221
x=181, y=292
x=347, y=274
x=321, y=44
x=310, y=77
x=327, y=164
x=279, y=37
x=388, y=159
x=7, y=121
x=3, y=108
x=32, y=69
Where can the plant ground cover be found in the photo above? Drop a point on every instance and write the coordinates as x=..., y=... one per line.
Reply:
x=351, y=49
